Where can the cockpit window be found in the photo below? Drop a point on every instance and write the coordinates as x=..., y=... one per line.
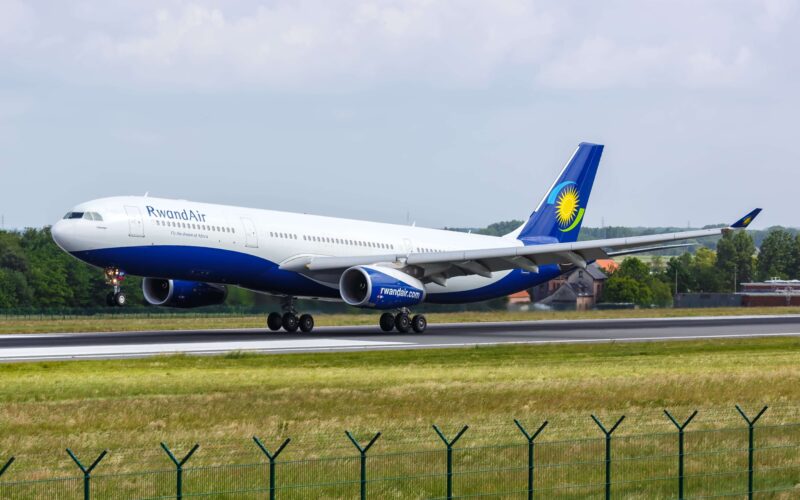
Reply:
x=84, y=215
x=92, y=216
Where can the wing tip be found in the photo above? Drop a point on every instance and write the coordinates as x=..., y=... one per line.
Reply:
x=746, y=220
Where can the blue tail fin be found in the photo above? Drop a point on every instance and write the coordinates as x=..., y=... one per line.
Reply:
x=559, y=215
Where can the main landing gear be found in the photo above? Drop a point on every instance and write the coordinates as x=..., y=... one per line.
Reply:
x=116, y=297
x=403, y=322
x=289, y=320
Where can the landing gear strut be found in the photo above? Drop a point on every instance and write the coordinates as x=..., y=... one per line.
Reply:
x=403, y=322
x=289, y=320
x=116, y=297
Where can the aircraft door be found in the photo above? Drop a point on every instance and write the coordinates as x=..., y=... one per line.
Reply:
x=251, y=236
x=407, y=246
x=135, y=224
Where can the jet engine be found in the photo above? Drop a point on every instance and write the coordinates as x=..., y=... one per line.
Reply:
x=380, y=288
x=184, y=294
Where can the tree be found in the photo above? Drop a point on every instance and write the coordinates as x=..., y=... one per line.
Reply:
x=14, y=289
x=796, y=257
x=776, y=258
x=633, y=282
x=704, y=269
x=735, y=252
x=624, y=289
x=657, y=265
x=662, y=293
x=634, y=268
x=679, y=271
x=501, y=228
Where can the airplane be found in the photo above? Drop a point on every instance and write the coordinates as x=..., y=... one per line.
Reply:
x=188, y=252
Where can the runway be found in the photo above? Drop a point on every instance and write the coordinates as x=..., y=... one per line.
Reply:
x=63, y=346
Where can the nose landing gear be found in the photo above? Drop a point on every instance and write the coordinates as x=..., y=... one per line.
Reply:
x=114, y=278
x=289, y=320
x=403, y=322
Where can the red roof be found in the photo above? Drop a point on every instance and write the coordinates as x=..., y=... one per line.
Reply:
x=607, y=265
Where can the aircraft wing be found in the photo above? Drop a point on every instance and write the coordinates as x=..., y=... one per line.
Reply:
x=438, y=267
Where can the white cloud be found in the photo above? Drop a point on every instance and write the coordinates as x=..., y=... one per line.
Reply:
x=350, y=44
x=17, y=24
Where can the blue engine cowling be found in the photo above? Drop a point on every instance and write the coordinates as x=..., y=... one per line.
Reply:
x=185, y=294
x=380, y=288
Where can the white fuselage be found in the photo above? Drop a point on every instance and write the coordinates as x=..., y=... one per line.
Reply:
x=179, y=239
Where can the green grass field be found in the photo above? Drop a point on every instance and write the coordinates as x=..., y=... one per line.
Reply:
x=129, y=406
x=134, y=322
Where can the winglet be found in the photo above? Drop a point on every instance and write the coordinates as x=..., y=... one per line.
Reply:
x=746, y=220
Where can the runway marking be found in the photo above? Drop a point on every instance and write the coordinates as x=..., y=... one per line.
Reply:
x=614, y=339
x=542, y=323
x=19, y=353
x=306, y=345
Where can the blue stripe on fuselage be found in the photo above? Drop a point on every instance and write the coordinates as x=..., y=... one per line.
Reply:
x=211, y=265
x=513, y=282
x=214, y=265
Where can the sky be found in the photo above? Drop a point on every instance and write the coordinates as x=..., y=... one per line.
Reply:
x=442, y=113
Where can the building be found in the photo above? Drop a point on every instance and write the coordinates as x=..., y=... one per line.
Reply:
x=579, y=289
x=771, y=293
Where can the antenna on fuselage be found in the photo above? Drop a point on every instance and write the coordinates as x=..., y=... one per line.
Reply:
x=146, y=193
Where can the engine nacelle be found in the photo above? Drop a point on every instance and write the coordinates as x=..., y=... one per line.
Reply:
x=380, y=288
x=185, y=294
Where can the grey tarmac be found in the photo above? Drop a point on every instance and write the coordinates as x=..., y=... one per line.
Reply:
x=64, y=346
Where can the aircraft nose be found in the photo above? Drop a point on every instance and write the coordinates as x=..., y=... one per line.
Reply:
x=60, y=234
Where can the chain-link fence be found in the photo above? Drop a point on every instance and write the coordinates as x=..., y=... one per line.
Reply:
x=750, y=460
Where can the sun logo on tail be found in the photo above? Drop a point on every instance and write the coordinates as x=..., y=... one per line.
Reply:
x=567, y=206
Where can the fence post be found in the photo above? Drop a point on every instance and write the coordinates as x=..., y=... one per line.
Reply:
x=750, y=448
x=87, y=471
x=530, y=438
x=449, y=445
x=680, y=449
x=4, y=468
x=363, y=452
x=608, y=450
x=271, y=457
x=179, y=468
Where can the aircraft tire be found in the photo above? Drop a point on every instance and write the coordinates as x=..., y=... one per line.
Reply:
x=306, y=323
x=120, y=299
x=419, y=323
x=403, y=323
x=290, y=322
x=387, y=322
x=274, y=321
